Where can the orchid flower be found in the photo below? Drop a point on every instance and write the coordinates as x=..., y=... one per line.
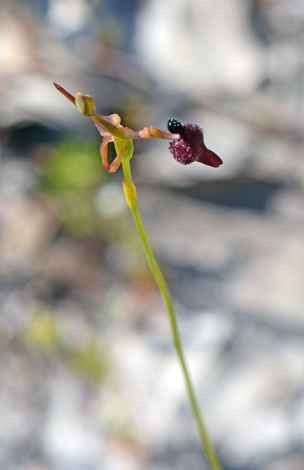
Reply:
x=186, y=145
x=111, y=130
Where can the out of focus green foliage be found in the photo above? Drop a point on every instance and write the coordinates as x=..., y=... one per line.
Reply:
x=74, y=166
x=70, y=176
x=44, y=333
x=89, y=361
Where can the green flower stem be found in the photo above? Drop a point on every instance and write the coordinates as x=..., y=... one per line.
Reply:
x=159, y=278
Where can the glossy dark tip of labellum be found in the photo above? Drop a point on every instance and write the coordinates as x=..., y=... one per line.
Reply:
x=174, y=126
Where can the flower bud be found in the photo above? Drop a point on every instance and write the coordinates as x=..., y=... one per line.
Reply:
x=130, y=194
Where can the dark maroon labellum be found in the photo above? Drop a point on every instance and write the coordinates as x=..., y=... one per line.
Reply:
x=191, y=147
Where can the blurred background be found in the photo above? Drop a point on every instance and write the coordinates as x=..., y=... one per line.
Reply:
x=89, y=377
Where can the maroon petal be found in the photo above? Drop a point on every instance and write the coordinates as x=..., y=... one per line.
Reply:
x=210, y=158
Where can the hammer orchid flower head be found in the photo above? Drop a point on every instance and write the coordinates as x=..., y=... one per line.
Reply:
x=191, y=146
x=111, y=130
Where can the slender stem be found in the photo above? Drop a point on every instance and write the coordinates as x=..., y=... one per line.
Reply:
x=159, y=278
x=127, y=171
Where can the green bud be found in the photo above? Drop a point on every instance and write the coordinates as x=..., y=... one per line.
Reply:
x=130, y=194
